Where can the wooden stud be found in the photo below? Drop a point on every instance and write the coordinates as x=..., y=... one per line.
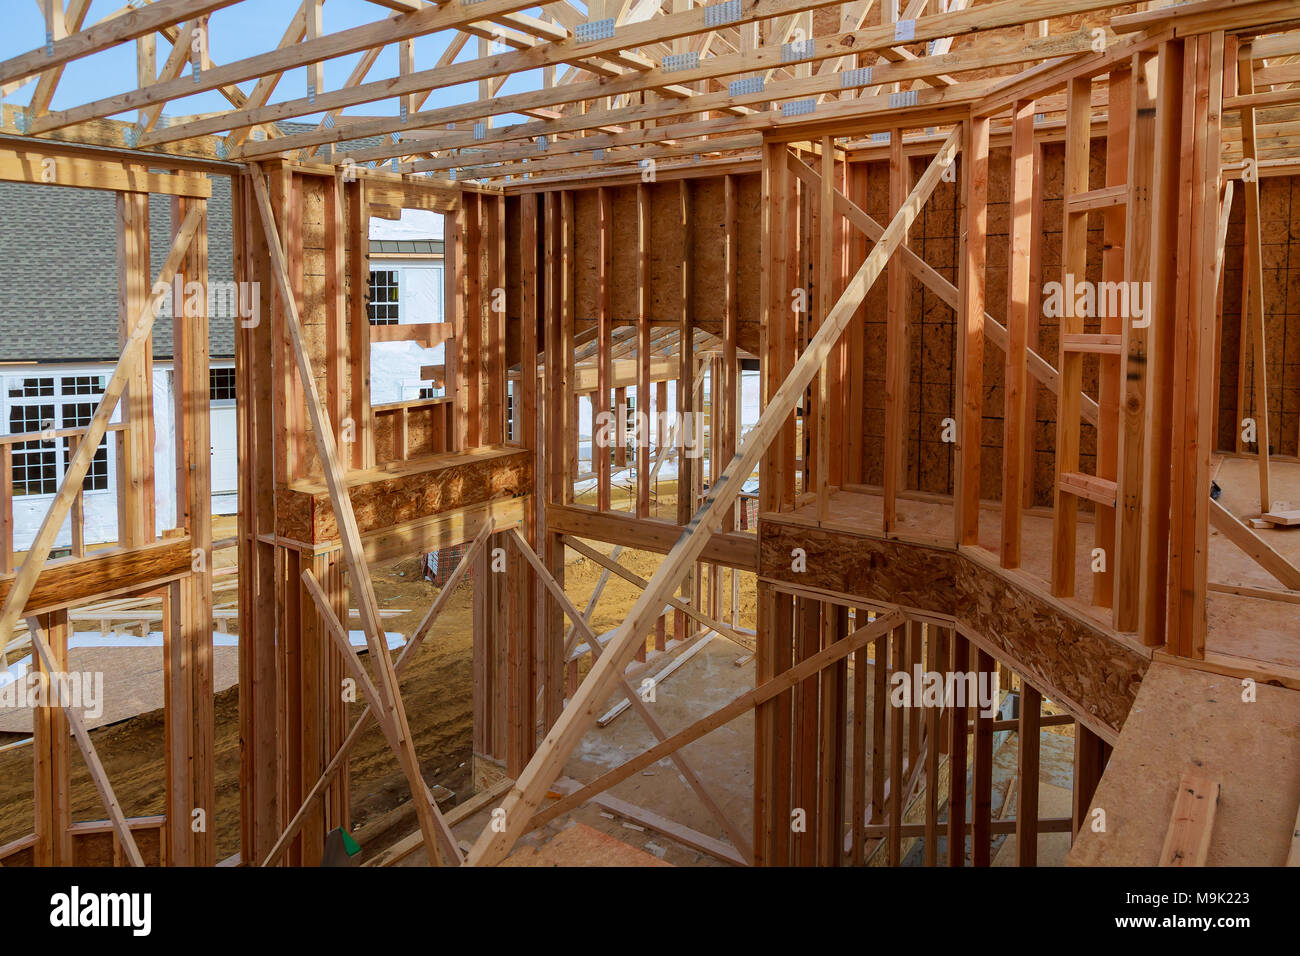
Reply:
x=982, y=775
x=1167, y=198
x=970, y=335
x=1031, y=702
x=825, y=299
x=600, y=407
x=1070, y=364
x=1133, y=437
x=1110, y=366
x=959, y=714
x=1015, y=379
x=1252, y=313
x=897, y=350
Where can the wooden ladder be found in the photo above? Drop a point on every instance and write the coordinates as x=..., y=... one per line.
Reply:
x=1073, y=484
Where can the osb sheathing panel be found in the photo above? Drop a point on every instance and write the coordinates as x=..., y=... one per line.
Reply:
x=669, y=242
x=384, y=501
x=313, y=304
x=708, y=222
x=623, y=253
x=96, y=849
x=749, y=264
x=1188, y=720
x=311, y=299
x=1279, y=214
x=703, y=236
x=586, y=264
x=426, y=432
x=1096, y=673
x=932, y=372
x=514, y=306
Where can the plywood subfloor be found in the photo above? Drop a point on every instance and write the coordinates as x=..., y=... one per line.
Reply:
x=1186, y=719
x=581, y=845
x=1055, y=792
x=1246, y=629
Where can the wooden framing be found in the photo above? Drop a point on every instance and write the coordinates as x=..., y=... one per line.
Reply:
x=695, y=205
x=527, y=793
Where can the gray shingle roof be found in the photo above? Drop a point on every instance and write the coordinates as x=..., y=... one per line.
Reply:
x=58, y=268
x=408, y=247
x=58, y=272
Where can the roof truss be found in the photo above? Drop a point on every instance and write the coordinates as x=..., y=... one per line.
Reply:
x=622, y=82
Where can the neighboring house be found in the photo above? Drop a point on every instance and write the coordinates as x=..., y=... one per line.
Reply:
x=59, y=344
x=59, y=340
x=406, y=288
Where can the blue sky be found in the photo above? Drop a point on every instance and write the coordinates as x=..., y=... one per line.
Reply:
x=248, y=28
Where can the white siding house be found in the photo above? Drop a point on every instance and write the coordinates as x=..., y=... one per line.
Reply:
x=59, y=345
x=406, y=288
x=35, y=398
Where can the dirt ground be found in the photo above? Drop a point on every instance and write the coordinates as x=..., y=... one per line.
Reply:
x=436, y=690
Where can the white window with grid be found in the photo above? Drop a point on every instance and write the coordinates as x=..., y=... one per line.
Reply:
x=384, y=307
x=42, y=403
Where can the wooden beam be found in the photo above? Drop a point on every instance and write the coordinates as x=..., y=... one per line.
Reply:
x=643, y=351
x=1191, y=437
x=1135, y=396
x=674, y=831
x=898, y=353
x=1166, y=200
x=135, y=22
x=1031, y=702
x=982, y=772
x=1252, y=313
x=1187, y=841
x=779, y=684
x=733, y=549
x=958, y=744
x=602, y=430
x=1070, y=365
x=1255, y=547
x=688, y=773
x=368, y=714
x=1110, y=388
x=1015, y=378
